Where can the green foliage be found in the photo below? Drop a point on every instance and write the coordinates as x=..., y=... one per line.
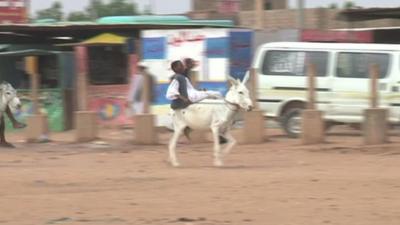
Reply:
x=54, y=12
x=78, y=16
x=333, y=6
x=97, y=8
x=147, y=10
x=349, y=5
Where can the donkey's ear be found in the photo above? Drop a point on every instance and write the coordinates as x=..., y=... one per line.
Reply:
x=232, y=82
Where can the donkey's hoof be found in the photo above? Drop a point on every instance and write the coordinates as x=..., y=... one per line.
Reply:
x=218, y=163
x=174, y=163
x=6, y=145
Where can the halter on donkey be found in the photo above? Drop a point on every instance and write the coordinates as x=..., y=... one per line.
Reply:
x=218, y=118
x=8, y=97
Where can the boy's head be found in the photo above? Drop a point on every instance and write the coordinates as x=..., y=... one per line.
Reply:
x=189, y=63
x=177, y=67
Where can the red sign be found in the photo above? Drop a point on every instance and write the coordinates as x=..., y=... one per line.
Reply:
x=13, y=11
x=228, y=6
x=109, y=102
x=337, y=36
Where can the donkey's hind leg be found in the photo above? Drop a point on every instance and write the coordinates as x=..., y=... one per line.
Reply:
x=217, y=147
x=178, y=129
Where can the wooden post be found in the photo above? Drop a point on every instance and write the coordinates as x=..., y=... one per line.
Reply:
x=374, y=76
x=254, y=121
x=145, y=131
x=375, y=118
x=312, y=122
x=312, y=74
x=259, y=12
x=146, y=93
x=36, y=122
x=32, y=69
x=85, y=121
x=82, y=80
x=253, y=87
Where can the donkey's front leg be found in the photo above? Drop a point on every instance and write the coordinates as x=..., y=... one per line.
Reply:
x=217, y=147
x=231, y=142
x=172, y=145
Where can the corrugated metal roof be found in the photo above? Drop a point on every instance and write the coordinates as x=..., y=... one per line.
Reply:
x=28, y=52
x=4, y=47
x=142, y=19
x=106, y=38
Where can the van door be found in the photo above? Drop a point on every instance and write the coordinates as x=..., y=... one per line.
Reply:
x=283, y=78
x=351, y=83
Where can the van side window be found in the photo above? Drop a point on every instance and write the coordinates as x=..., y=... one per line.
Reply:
x=294, y=63
x=356, y=65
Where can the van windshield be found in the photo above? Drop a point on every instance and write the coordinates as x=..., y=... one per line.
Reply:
x=294, y=63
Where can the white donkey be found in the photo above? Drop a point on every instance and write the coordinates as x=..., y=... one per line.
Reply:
x=8, y=97
x=218, y=118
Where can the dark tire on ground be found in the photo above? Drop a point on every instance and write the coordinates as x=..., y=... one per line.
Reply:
x=291, y=122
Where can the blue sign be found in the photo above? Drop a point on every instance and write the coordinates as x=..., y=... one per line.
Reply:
x=154, y=48
x=240, y=53
x=217, y=47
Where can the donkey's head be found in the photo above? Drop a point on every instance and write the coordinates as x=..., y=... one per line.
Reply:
x=9, y=96
x=239, y=95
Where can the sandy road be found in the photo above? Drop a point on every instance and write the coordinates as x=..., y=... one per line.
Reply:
x=278, y=183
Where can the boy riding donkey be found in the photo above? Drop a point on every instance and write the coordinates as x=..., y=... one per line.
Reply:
x=182, y=93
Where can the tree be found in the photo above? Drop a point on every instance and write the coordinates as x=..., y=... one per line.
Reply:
x=54, y=12
x=333, y=6
x=147, y=10
x=78, y=16
x=97, y=8
x=349, y=5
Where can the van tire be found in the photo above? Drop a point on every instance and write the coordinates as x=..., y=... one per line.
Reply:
x=289, y=124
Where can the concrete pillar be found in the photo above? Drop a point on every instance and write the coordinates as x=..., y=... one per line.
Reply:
x=312, y=123
x=85, y=121
x=145, y=131
x=86, y=126
x=375, y=129
x=36, y=123
x=36, y=126
x=312, y=127
x=254, y=121
x=375, y=126
x=254, y=127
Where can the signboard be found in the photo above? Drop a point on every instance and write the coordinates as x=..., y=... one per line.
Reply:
x=228, y=6
x=241, y=53
x=208, y=47
x=13, y=11
x=337, y=36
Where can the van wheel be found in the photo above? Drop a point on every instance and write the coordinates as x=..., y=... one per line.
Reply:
x=291, y=122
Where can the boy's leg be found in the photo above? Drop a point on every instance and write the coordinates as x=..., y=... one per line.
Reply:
x=14, y=122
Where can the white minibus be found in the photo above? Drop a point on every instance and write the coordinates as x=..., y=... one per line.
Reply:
x=342, y=83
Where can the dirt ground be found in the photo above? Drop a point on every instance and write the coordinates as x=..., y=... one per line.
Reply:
x=280, y=182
